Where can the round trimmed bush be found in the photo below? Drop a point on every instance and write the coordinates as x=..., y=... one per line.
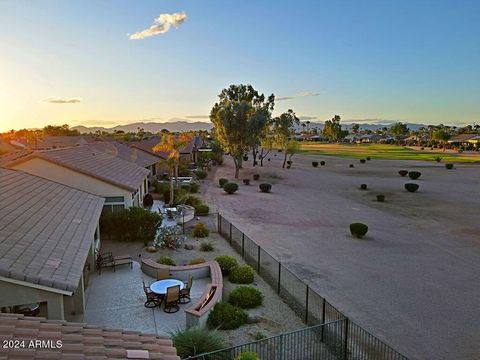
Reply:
x=411, y=187
x=289, y=162
x=222, y=182
x=248, y=355
x=414, y=175
x=380, y=197
x=194, y=188
x=246, y=181
x=265, y=187
x=289, y=166
x=363, y=161
x=201, y=174
x=363, y=187
x=165, y=260
x=369, y=158
x=256, y=176
x=192, y=200
x=358, y=230
x=148, y=200
x=201, y=210
x=230, y=187
x=200, y=230
x=242, y=274
x=314, y=163
x=226, y=263
x=322, y=163
x=246, y=297
x=351, y=165
x=403, y=172
x=449, y=166
x=226, y=316
x=245, y=158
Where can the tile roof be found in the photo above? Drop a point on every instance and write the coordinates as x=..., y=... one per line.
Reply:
x=14, y=155
x=462, y=137
x=80, y=341
x=52, y=142
x=125, y=152
x=92, y=162
x=46, y=229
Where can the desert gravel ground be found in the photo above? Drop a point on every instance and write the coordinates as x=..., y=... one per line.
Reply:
x=414, y=281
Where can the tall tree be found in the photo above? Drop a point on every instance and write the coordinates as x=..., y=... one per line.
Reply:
x=398, y=129
x=173, y=144
x=283, y=129
x=239, y=117
x=332, y=129
x=441, y=136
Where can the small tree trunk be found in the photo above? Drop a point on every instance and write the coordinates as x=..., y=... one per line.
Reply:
x=171, y=187
x=285, y=158
x=235, y=161
x=254, y=155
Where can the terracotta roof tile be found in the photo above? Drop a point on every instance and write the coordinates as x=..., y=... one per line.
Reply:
x=90, y=343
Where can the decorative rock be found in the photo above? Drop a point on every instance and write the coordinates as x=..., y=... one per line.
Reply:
x=151, y=249
x=189, y=247
x=253, y=319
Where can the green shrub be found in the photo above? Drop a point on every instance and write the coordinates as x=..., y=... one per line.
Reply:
x=437, y=158
x=198, y=260
x=322, y=163
x=248, y=355
x=414, y=175
x=191, y=200
x=246, y=181
x=363, y=161
x=196, y=340
x=358, y=229
x=351, y=165
x=206, y=246
x=258, y=336
x=200, y=230
x=363, y=187
x=256, y=176
x=230, y=187
x=201, y=209
x=225, y=316
x=403, y=172
x=246, y=297
x=369, y=158
x=242, y=274
x=380, y=197
x=222, y=182
x=201, y=174
x=227, y=263
x=411, y=187
x=265, y=187
x=194, y=188
x=314, y=163
x=186, y=187
x=165, y=260
x=449, y=166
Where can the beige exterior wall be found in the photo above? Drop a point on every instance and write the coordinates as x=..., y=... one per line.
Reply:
x=60, y=174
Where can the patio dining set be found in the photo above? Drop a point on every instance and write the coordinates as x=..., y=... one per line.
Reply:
x=170, y=292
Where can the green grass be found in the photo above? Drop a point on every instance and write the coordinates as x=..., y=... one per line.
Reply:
x=388, y=152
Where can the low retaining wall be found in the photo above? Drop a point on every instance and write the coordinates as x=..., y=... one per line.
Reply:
x=196, y=314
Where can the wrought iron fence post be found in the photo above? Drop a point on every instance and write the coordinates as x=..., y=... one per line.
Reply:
x=183, y=221
x=306, y=304
x=345, y=341
x=258, y=260
x=281, y=357
x=279, y=272
x=230, y=235
x=243, y=245
x=323, y=319
x=219, y=225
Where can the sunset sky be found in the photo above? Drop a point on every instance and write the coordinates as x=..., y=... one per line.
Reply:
x=115, y=62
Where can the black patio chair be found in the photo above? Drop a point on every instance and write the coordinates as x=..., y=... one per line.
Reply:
x=171, y=299
x=185, y=292
x=152, y=299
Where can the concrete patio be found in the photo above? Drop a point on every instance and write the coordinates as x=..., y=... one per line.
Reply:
x=115, y=299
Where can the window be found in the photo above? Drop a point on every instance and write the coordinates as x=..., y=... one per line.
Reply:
x=114, y=199
x=113, y=204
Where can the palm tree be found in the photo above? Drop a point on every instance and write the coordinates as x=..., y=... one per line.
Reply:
x=173, y=144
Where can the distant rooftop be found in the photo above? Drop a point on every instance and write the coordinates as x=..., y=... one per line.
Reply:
x=46, y=229
x=90, y=161
x=125, y=152
x=81, y=341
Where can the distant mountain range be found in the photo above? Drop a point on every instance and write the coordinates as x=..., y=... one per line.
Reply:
x=153, y=127
x=181, y=126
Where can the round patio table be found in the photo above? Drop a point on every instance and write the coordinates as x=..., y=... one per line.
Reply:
x=160, y=287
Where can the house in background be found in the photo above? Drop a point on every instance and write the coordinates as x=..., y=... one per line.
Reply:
x=121, y=183
x=41, y=142
x=466, y=140
x=130, y=154
x=48, y=236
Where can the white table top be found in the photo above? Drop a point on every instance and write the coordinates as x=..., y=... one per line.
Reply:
x=160, y=287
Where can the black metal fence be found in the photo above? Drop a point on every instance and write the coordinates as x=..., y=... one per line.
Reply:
x=305, y=301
